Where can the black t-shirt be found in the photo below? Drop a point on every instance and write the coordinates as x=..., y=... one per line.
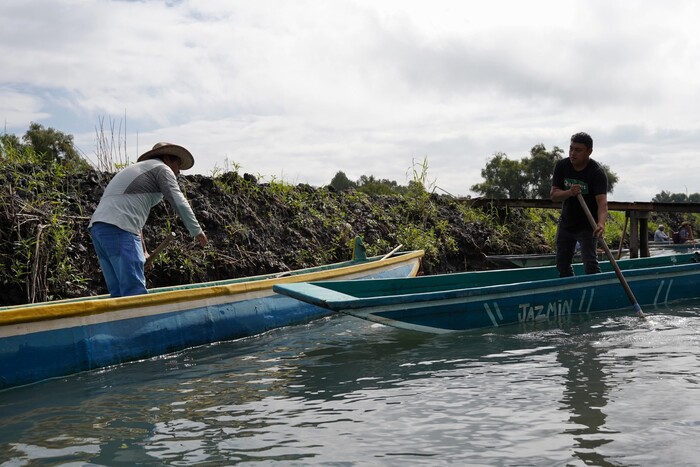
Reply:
x=593, y=181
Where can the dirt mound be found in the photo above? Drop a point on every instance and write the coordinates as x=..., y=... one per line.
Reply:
x=253, y=228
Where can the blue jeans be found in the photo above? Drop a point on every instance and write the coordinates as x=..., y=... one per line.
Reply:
x=566, y=247
x=121, y=258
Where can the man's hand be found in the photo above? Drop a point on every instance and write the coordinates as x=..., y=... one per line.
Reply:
x=575, y=190
x=202, y=239
x=599, y=230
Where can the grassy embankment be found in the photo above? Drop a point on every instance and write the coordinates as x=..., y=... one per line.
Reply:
x=254, y=228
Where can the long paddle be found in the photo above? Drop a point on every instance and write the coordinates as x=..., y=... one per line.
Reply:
x=611, y=258
x=391, y=253
x=158, y=249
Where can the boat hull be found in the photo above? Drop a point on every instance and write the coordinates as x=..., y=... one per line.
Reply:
x=558, y=299
x=688, y=246
x=539, y=260
x=55, y=339
x=460, y=302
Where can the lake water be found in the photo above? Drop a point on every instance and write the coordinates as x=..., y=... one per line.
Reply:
x=608, y=390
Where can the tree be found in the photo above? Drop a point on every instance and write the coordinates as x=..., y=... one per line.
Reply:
x=368, y=184
x=503, y=178
x=374, y=186
x=538, y=169
x=668, y=197
x=531, y=177
x=9, y=144
x=341, y=182
x=612, y=177
x=50, y=143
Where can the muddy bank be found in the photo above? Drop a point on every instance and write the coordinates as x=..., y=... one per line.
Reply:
x=253, y=228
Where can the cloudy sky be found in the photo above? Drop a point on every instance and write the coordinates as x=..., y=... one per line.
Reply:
x=297, y=90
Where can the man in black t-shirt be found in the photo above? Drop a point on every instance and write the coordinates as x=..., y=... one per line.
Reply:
x=579, y=174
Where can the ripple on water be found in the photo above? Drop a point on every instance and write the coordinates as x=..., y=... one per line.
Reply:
x=608, y=390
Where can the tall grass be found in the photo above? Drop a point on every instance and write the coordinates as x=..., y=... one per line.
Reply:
x=110, y=147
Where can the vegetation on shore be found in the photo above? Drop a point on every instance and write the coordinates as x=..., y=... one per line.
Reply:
x=47, y=199
x=48, y=193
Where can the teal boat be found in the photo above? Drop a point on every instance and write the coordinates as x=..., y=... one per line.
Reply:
x=536, y=260
x=687, y=246
x=522, y=261
x=471, y=300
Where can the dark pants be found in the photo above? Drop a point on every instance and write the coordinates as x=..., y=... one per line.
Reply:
x=566, y=247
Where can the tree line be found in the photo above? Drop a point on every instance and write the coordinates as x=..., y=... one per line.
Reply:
x=47, y=143
x=527, y=178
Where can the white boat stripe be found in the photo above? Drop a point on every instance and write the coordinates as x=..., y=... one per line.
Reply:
x=498, y=311
x=488, y=310
x=590, y=302
x=583, y=298
x=668, y=290
x=658, y=292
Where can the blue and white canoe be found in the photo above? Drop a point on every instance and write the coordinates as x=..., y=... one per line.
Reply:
x=46, y=340
x=471, y=300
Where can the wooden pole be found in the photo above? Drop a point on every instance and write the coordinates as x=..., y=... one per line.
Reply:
x=158, y=249
x=611, y=258
x=622, y=238
x=391, y=253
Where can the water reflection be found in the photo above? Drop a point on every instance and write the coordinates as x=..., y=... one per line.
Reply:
x=345, y=391
x=585, y=397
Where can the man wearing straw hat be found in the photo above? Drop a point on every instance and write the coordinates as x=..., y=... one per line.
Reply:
x=117, y=223
x=685, y=233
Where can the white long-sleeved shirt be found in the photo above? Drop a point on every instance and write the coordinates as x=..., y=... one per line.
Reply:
x=660, y=236
x=129, y=197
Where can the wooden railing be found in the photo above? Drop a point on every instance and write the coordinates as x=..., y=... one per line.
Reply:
x=637, y=213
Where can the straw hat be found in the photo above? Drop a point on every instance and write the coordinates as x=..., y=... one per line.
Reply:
x=162, y=149
x=661, y=226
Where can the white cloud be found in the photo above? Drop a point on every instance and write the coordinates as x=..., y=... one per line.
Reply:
x=19, y=108
x=306, y=88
